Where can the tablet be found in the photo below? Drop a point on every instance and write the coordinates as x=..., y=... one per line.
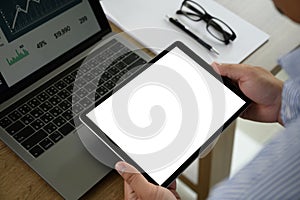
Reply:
x=163, y=115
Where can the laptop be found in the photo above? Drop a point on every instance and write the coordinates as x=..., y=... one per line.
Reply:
x=44, y=47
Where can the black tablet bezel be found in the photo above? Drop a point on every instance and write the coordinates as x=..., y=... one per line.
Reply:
x=224, y=80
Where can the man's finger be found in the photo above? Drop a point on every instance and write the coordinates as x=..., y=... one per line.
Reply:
x=135, y=180
x=232, y=71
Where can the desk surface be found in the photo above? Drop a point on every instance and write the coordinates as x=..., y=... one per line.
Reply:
x=18, y=181
x=284, y=34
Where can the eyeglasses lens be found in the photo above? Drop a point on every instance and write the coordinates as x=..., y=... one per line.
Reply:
x=219, y=29
x=192, y=10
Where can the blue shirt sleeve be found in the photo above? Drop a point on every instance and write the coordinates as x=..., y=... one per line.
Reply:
x=273, y=174
x=290, y=107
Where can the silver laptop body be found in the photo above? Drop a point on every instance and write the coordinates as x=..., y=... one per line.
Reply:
x=39, y=47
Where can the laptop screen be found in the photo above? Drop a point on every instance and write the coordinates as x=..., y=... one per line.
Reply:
x=38, y=36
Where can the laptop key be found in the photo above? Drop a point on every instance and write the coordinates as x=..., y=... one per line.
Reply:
x=69, y=79
x=55, y=100
x=36, y=151
x=85, y=102
x=100, y=58
x=90, y=87
x=43, y=96
x=25, y=133
x=46, y=118
x=15, y=127
x=124, y=52
x=117, y=46
x=63, y=94
x=109, y=84
x=27, y=119
x=84, y=68
x=111, y=61
x=73, y=99
x=34, y=139
x=46, y=143
x=77, y=108
x=65, y=105
x=108, y=52
x=51, y=90
x=46, y=106
x=125, y=74
x=59, y=121
x=37, y=124
x=120, y=65
x=130, y=59
x=60, y=85
x=93, y=96
x=68, y=114
x=80, y=82
x=37, y=113
x=24, y=109
x=55, y=137
x=117, y=79
x=55, y=111
x=117, y=56
x=88, y=77
x=15, y=115
x=33, y=103
x=106, y=76
x=50, y=128
x=96, y=71
x=66, y=129
x=92, y=63
x=5, y=122
x=102, y=90
x=81, y=93
x=113, y=70
x=71, y=88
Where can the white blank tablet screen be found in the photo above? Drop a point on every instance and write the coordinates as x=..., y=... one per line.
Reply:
x=162, y=116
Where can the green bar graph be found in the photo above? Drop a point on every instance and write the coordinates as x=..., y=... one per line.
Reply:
x=20, y=55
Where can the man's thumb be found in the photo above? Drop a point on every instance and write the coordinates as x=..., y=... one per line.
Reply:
x=132, y=177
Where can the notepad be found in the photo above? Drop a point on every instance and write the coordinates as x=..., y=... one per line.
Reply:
x=145, y=21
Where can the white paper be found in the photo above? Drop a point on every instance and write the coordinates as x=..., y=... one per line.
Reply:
x=145, y=20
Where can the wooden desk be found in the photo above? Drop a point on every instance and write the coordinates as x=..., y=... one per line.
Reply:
x=18, y=181
x=284, y=34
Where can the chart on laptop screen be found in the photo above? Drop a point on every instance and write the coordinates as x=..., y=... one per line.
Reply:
x=19, y=17
x=35, y=32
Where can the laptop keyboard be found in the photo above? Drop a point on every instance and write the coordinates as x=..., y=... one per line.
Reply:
x=44, y=117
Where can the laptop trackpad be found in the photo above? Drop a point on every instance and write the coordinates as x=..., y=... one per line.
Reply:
x=97, y=148
x=72, y=170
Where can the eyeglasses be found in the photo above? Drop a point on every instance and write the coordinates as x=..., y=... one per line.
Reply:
x=216, y=27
